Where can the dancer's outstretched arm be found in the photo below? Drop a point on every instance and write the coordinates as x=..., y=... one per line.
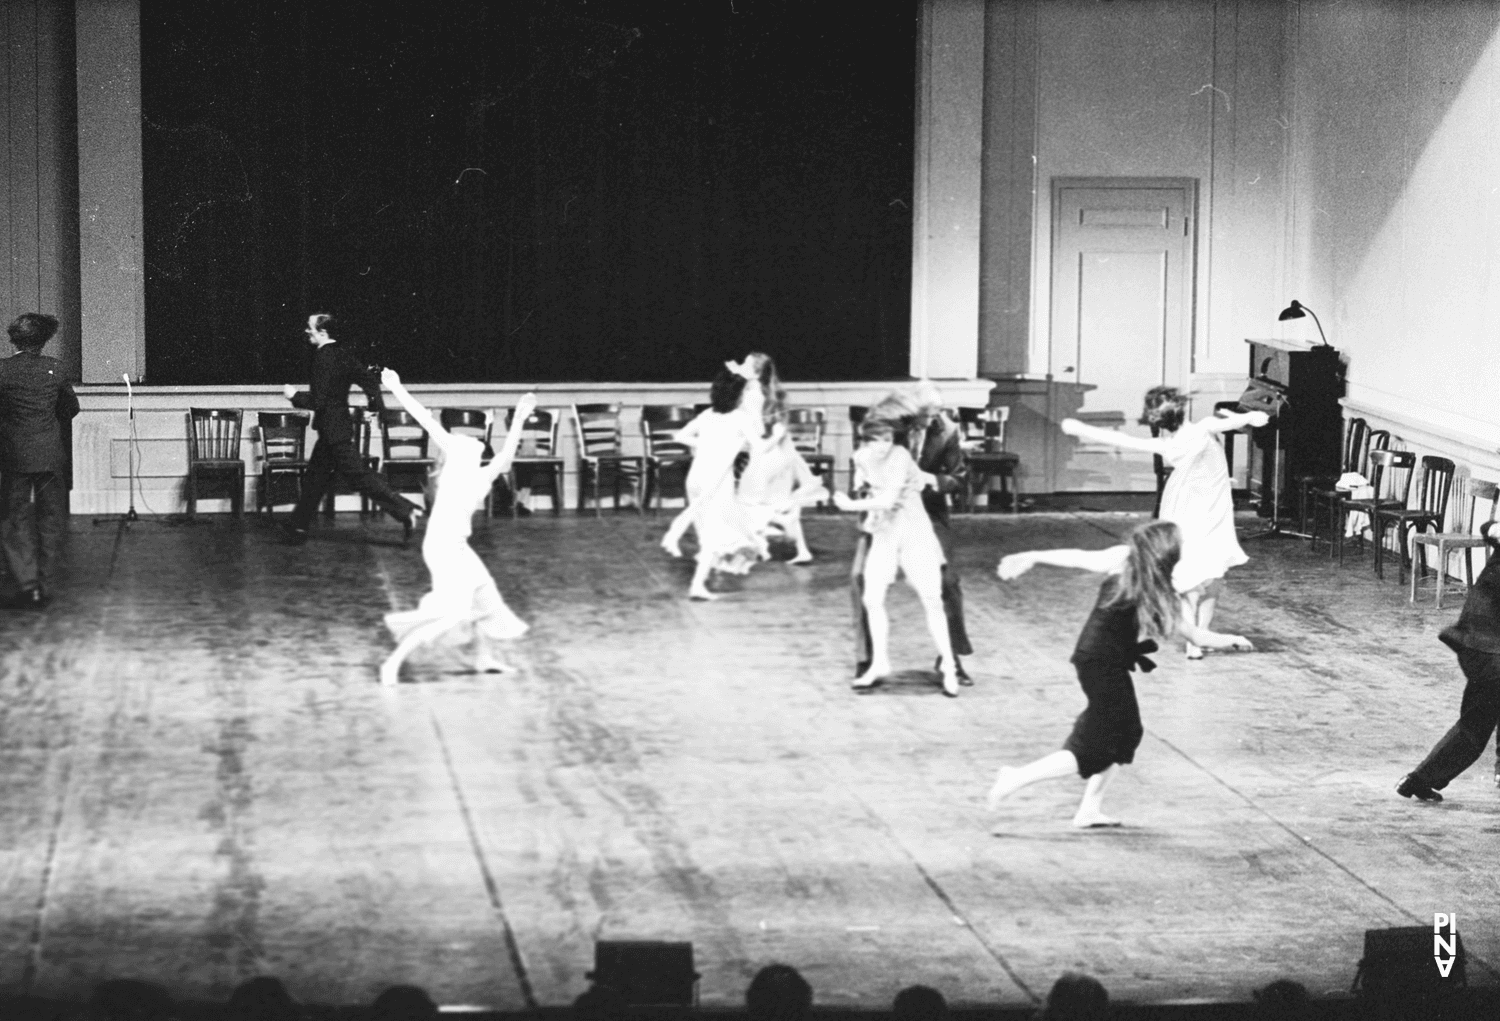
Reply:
x=502, y=461
x=1229, y=421
x=1100, y=561
x=1111, y=437
x=415, y=409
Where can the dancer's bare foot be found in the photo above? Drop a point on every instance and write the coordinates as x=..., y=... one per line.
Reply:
x=870, y=677
x=699, y=592
x=1194, y=651
x=1094, y=820
x=490, y=665
x=670, y=545
x=390, y=674
x=1007, y=782
x=802, y=557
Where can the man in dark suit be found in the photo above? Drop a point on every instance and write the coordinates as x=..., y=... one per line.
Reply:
x=1475, y=637
x=937, y=447
x=334, y=372
x=35, y=400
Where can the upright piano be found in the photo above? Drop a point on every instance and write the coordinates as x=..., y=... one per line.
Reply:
x=1305, y=437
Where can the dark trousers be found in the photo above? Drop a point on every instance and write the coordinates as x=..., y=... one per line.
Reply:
x=338, y=457
x=35, y=505
x=1478, y=714
x=953, y=605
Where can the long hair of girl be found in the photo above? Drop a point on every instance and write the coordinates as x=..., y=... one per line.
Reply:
x=775, y=406
x=1146, y=578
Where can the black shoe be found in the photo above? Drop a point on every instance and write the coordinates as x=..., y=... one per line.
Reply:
x=32, y=598
x=958, y=671
x=294, y=535
x=1411, y=787
x=861, y=667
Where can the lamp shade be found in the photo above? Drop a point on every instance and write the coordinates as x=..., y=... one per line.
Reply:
x=1296, y=310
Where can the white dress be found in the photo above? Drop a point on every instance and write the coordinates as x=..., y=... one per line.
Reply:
x=462, y=589
x=774, y=473
x=902, y=536
x=727, y=540
x=1197, y=499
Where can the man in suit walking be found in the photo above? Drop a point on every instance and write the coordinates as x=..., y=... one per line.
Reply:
x=334, y=372
x=35, y=401
x=937, y=447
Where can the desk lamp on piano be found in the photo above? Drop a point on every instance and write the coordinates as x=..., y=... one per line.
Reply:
x=1299, y=386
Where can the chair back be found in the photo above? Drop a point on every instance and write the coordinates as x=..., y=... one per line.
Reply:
x=1356, y=444
x=283, y=436
x=806, y=426
x=857, y=415
x=468, y=422
x=402, y=437
x=1477, y=492
x=1437, y=484
x=538, y=433
x=1390, y=475
x=1378, y=439
x=214, y=434
x=659, y=426
x=598, y=428
x=983, y=429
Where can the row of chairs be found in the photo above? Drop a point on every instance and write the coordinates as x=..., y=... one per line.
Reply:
x=214, y=437
x=1390, y=508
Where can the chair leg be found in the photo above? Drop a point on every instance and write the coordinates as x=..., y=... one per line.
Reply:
x=1442, y=571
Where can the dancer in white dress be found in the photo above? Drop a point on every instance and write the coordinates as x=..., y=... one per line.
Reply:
x=775, y=486
x=901, y=538
x=1197, y=497
x=463, y=606
x=726, y=538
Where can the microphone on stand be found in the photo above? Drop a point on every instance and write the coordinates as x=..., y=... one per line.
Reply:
x=130, y=444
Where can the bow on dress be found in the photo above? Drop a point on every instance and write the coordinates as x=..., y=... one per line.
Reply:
x=1142, y=662
x=743, y=368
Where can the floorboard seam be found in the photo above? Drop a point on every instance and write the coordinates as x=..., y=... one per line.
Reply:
x=942, y=895
x=1307, y=843
x=491, y=887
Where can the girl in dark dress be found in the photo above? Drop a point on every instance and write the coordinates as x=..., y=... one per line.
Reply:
x=1137, y=605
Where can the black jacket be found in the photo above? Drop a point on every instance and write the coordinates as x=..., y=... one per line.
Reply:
x=35, y=400
x=334, y=372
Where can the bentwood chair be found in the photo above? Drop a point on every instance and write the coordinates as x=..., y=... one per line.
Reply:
x=983, y=437
x=1430, y=512
x=214, y=457
x=536, y=465
x=1390, y=480
x=282, y=437
x=602, y=457
x=806, y=428
x=1447, y=543
x=1356, y=444
x=478, y=424
x=667, y=460
x=361, y=436
x=403, y=452
x=1333, y=498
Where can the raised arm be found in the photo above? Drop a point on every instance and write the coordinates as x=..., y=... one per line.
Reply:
x=1229, y=421
x=1111, y=437
x=424, y=417
x=1101, y=561
x=502, y=462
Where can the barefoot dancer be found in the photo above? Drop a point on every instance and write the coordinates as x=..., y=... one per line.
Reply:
x=1197, y=496
x=901, y=538
x=726, y=541
x=1136, y=606
x=464, y=604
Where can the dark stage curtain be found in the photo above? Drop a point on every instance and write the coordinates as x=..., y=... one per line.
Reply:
x=573, y=190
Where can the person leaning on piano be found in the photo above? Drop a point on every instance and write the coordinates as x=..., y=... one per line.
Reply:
x=335, y=370
x=35, y=401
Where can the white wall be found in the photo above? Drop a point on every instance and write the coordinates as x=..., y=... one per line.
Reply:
x=1395, y=200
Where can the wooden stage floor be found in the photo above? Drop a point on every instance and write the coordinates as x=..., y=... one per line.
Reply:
x=203, y=782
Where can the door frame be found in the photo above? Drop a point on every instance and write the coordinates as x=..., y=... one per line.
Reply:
x=1189, y=186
